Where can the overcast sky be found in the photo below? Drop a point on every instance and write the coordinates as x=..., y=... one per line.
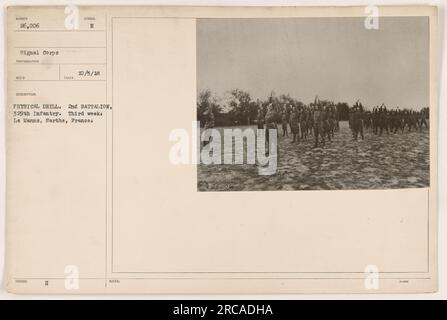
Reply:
x=336, y=58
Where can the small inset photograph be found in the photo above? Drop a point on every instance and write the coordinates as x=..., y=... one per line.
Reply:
x=313, y=104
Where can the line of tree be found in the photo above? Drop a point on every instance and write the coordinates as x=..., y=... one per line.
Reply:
x=241, y=109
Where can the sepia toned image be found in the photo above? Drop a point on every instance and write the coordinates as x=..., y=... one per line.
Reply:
x=126, y=126
x=347, y=100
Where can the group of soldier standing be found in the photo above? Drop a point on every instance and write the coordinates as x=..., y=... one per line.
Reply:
x=395, y=120
x=321, y=119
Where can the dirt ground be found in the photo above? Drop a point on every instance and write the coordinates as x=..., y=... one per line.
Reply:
x=378, y=162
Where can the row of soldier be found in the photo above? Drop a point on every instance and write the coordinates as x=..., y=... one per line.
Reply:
x=321, y=119
x=394, y=120
x=318, y=119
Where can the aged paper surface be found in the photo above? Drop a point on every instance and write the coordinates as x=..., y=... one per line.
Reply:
x=95, y=203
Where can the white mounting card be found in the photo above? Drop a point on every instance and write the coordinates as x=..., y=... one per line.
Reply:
x=221, y=149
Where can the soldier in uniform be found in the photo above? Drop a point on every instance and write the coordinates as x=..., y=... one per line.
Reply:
x=284, y=123
x=209, y=123
x=326, y=122
x=260, y=119
x=422, y=119
x=413, y=120
x=337, y=119
x=318, y=125
x=303, y=115
x=294, y=125
x=357, y=120
x=375, y=119
x=383, y=119
x=270, y=123
x=331, y=120
x=401, y=122
x=409, y=119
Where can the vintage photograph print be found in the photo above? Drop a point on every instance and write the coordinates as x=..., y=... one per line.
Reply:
x=313, y=103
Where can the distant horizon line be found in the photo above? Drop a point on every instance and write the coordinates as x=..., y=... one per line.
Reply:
x=221, y=96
